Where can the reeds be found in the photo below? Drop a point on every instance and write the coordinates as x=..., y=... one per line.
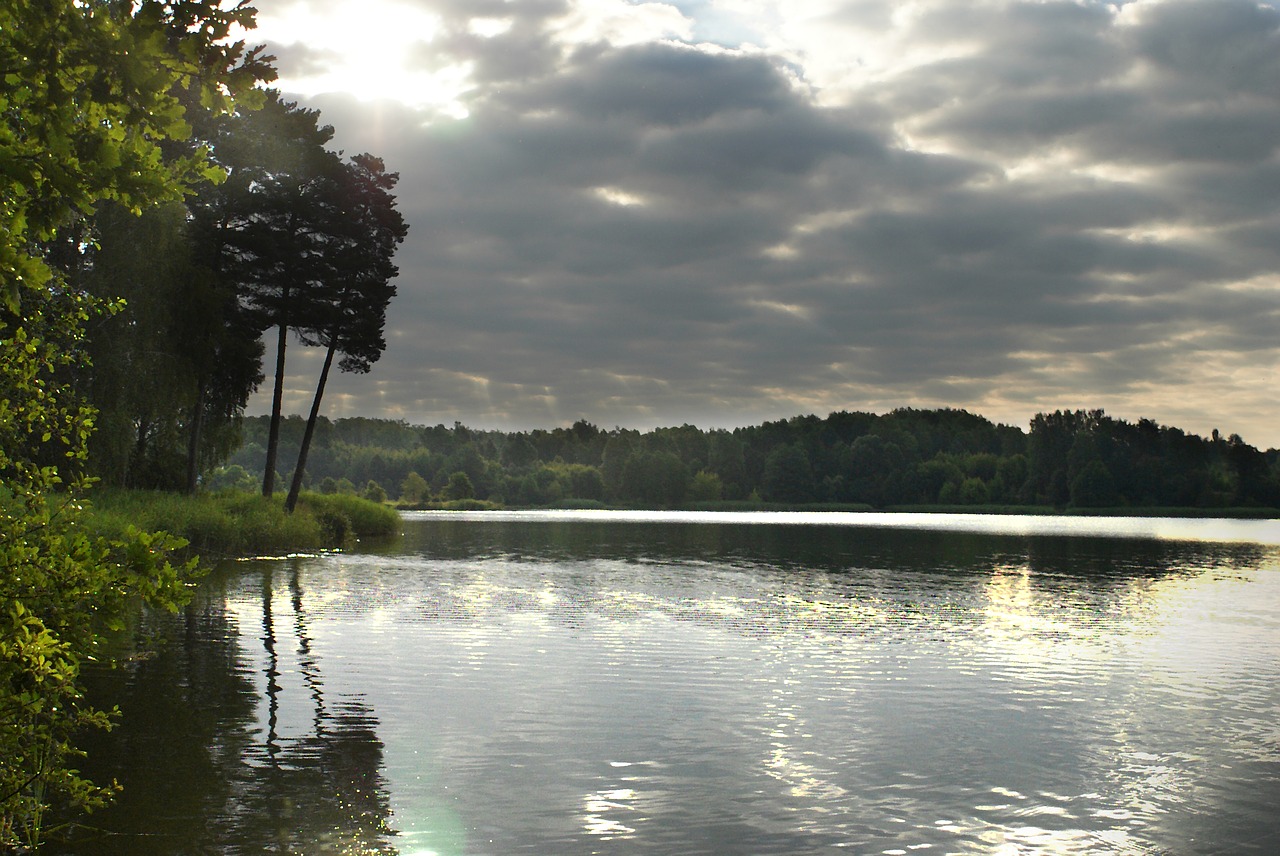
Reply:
x=232, y=523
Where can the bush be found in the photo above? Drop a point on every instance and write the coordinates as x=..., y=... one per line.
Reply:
x=233, y=477
x=414, y=488
x=243, y=524
x=374, y=492
x=459, y=487
x=335, y=525
x=973, y=491
x=469, y=505
x=331, y=485
x=706, y=487
x=366, y=519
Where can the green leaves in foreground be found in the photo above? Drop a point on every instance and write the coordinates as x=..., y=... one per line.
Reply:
x=90, y=91
x=39, y=713
x=91, y=110
x=62, y=592
x=62, y=595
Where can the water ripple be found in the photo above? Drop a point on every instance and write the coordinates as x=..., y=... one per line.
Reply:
x=582, y=689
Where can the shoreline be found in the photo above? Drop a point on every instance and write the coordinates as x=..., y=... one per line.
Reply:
x=1175, y=512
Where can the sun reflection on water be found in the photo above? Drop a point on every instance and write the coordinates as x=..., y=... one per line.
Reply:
x=601, y=808
x=1003, y=705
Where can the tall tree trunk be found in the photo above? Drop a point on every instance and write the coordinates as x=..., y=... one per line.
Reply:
x=137, y=461
x=296, y=487
x=193, y=442
x=277, y=404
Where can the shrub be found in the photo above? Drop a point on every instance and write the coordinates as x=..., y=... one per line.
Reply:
x=233, y=477
x=706, y=487
x=414, y=488
x=459, y=487
x=469, y=505
x=374, y=492
x=241, y=524
x=973, y=491
x=366, y=519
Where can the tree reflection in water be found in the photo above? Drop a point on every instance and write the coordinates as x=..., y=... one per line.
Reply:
x=223, y=756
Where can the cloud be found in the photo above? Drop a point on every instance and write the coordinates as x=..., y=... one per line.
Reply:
x=664, y=85
x=725, y=212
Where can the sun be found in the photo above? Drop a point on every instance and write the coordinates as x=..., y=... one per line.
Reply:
x=373, y=50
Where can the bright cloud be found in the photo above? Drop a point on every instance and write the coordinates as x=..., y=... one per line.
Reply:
x=374, y=50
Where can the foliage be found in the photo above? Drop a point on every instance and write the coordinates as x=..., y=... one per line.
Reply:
x=347, y=308
x=459, y=487
x=92, y=97
x=414, y=488
x=469, y=505
x=788, y=476
x=296, y=238
x=905, y=458
x=373, y=492
x=656, y=479
x=330, y=485
x=91, y=91
x=1093, y=486
x=238, y=523
x=61, y=590
x=234, y=477
x=706, y=487
x=367, y=519
x=171, y=372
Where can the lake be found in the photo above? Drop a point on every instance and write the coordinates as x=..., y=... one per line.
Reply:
x=675, y=683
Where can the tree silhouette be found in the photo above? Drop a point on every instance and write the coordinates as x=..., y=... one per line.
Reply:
x=286, y=219
x=349, y=306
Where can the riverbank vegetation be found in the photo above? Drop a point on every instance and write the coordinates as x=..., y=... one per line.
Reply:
x=1068, y=461
x=235, y=524
x=161, y=211
x=94, y=98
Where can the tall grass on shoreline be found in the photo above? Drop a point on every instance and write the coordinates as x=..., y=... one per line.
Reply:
x=236, y=524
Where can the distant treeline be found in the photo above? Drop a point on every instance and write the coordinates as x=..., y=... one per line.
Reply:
x=1080, y=459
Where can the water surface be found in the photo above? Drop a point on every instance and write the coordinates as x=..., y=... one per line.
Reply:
x=576, y=683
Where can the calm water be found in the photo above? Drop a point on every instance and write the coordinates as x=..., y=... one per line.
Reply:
x=740, y=684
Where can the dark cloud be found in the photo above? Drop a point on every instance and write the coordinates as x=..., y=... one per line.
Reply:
x=524, y=52
x=1059, y=204
x=744, y=153
x=664, y=85
x=1213, y=48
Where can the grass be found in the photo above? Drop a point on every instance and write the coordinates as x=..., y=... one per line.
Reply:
x=231, y=523
x=452, y=505
x=361, y=518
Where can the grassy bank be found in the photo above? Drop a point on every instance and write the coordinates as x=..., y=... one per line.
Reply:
x=241, y=524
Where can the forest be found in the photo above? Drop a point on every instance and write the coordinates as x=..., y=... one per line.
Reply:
x=905, y=458
x=296, y=244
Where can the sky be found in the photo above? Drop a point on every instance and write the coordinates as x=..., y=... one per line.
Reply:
x=722, y=212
